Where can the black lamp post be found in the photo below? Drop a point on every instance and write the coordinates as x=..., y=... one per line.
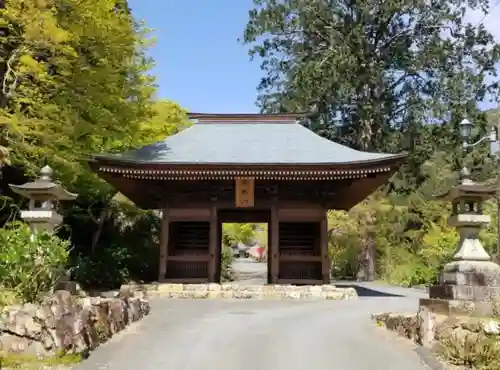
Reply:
x=465, y=131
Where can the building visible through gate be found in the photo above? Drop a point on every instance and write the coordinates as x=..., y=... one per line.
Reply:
x=246, y=168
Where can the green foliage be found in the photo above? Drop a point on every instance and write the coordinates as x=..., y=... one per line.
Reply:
x=401, y=267
x=438, y=245
x=32, y=362
x=227, y=259
x=233, y=233
x=75, y=84
x=107, y=268
x=382, y=75
x=412, y=241
x=127, y=251
x=475, y=351
x=344, y=244
x=168, y=118
x=489, y=234
x=30, y=266
x=116, y=242
x=8, y=297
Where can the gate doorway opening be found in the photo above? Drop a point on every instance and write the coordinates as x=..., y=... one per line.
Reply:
x=245, y=241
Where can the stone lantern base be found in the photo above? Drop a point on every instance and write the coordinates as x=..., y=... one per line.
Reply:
x=467, y=287
x=456, y=307
x=477, y=273
x=471, y=282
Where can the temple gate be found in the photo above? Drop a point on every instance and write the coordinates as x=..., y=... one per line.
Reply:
x=246, y=168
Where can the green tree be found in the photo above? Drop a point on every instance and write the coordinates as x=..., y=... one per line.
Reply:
x=75, y=82
x=233, y=233
x=383, y=75
x=168, y=118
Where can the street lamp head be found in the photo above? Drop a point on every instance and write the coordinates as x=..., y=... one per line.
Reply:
x=465, y=129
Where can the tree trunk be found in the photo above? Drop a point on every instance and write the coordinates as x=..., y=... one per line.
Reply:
x=497, y=252
x=3, y=66
x=370, y=274
x=103, y=216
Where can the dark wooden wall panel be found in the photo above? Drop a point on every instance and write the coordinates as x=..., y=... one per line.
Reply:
x=300, y=256
x=188, y=250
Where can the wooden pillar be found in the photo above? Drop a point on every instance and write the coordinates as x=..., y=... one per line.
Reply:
x=275, y=248
x=213, y=243
x=164, y=238
x=325, y=260
x=218, y=260
x=269, y=252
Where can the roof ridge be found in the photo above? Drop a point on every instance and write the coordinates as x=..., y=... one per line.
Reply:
x=246, y=116
x=244, y=122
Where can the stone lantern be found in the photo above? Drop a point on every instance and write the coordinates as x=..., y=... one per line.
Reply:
x=471, y=275
x=44, y=197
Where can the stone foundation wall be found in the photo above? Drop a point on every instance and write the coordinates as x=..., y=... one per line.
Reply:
x=67, y=324
x=434, y=328
x=236, y=291
x=405, y=324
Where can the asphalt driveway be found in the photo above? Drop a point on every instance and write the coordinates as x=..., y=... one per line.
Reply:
x=264, y=335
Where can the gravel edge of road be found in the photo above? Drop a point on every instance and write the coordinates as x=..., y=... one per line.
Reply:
x=430, y=359
x=426, y=356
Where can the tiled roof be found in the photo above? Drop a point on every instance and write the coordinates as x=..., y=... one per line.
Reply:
x=264, y=142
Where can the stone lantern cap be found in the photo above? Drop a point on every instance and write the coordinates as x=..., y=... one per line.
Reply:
x=467, y=199
x=468, y=190
x=43, y=188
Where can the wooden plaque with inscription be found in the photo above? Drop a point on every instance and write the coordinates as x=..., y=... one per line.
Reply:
x=245, y=192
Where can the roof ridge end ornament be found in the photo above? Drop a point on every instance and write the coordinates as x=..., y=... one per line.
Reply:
x=46, y=173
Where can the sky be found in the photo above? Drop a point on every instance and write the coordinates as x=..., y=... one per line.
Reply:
x=199, y=62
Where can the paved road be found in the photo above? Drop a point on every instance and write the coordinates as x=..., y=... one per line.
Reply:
x=264, y=335
x=247, y=271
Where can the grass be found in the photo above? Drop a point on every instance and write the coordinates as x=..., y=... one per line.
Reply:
x=29, y=362
x=8, y=298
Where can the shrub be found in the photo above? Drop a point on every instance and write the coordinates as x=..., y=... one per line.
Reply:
x=227, y=259
x=344, y=244
x=106, y=268
x=128, y=250
x=476, y=351
x=110, y=266
x=30, y=264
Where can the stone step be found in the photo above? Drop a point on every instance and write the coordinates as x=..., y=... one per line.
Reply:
x=237, y=291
